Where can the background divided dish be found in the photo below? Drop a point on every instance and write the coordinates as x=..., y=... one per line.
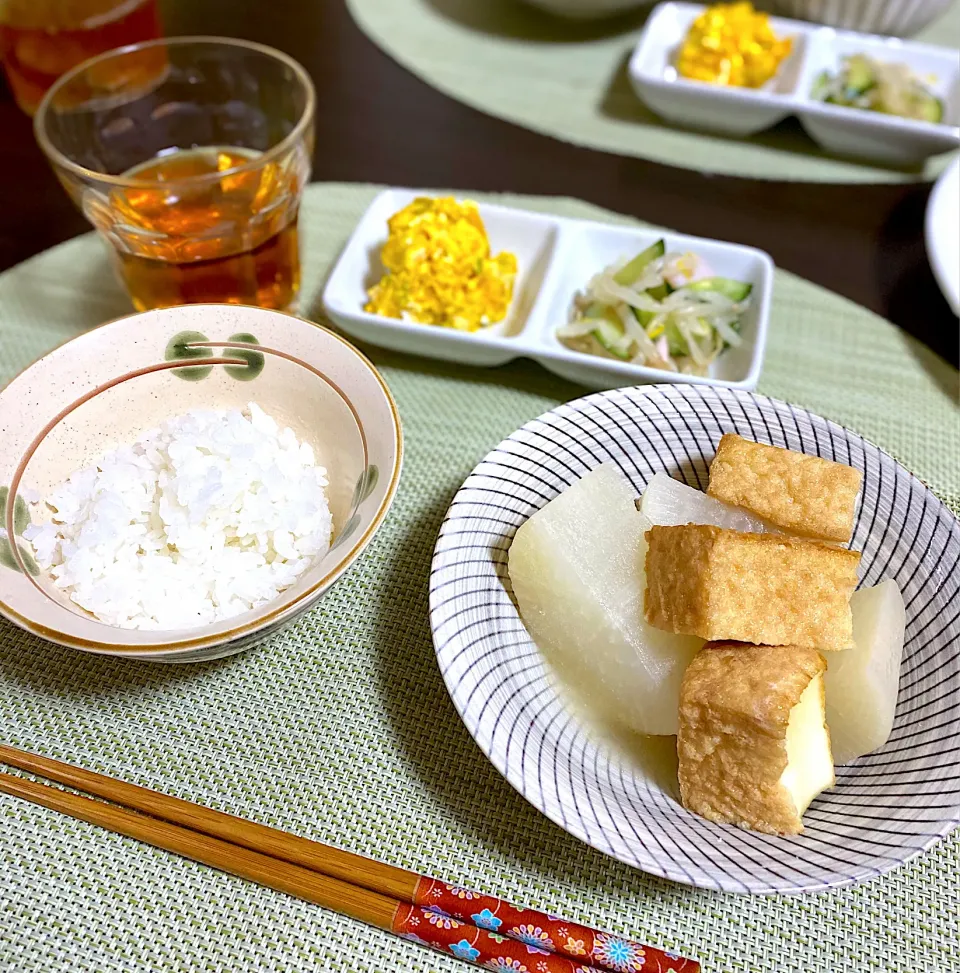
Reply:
x=838, y=129
x=886, y=807
x=556, y=258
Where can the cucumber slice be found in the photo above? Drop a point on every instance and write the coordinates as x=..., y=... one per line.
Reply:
x=609, y=332
x=931, y=109
x=736, y=326
x=658, y=293
x=736, y=290
x=630, y=273
x=612, y=337
x=661, y=292
x=821, y=86
x=860, y=77
x=643, y=317
x=676, y=343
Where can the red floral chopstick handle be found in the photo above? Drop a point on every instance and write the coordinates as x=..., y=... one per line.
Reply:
x=532, y=941
x=439, y=930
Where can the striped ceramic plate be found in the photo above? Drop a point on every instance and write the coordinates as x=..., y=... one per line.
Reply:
x=898, y=17
x=885, y=808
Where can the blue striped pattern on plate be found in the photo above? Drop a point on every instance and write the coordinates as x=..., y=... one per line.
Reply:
x=886, y=807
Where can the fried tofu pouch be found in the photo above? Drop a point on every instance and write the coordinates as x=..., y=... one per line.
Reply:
x=805, y=495
x=753, y=745
x=761, y=588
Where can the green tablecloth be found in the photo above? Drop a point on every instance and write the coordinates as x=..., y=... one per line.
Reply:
x=569, y=80
x=340, y=728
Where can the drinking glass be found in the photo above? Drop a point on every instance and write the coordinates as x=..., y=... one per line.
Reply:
x=190, y=156
x=41, y=39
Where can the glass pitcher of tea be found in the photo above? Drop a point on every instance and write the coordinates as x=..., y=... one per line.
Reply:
x=42, y=39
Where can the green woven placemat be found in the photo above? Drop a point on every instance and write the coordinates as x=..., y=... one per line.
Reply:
x=340, y=728
x=569, y=80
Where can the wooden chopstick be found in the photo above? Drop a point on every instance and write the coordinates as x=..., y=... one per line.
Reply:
x=362, y=904
x=391, y=898
x=465, y=942
x=355, y=869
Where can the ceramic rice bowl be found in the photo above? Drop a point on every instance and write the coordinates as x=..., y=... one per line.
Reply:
x=108, y=386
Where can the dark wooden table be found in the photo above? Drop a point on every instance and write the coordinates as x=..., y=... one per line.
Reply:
x=378, y=123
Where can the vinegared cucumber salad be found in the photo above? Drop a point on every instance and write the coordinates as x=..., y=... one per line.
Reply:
x=663, y=310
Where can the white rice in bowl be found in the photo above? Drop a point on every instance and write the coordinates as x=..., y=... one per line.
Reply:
x=212, y=514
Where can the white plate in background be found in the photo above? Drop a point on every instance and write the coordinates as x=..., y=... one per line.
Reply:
x=556, y=257
x=942, y=232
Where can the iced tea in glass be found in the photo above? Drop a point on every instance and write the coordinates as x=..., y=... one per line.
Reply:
x=42, y=39
x=192, y=167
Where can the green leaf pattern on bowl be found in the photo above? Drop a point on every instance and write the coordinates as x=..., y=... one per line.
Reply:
x=183, y=347
x=21, y=521
x=366, y=484
x=21, y=513
x=254, y=359
x=348, y=528
x=178, y=349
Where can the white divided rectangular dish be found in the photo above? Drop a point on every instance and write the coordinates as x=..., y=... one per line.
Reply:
x=837, y=128
x=556, y=257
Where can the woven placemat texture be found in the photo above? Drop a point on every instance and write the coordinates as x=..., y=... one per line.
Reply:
x=340, y=729
x=569, y=80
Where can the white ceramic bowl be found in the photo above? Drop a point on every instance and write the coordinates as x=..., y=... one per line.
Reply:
x=556, y=257
x=901, y=18
x=942, y=233
x=586, y=9
x=109, y=385
x=886, y=807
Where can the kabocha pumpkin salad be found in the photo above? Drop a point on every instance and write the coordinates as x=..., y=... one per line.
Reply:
x=439, y=268
x=732, y=44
